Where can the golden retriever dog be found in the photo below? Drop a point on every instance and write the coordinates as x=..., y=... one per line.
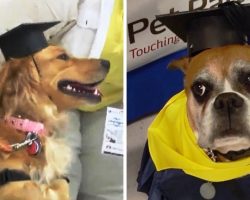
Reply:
x=39, y=88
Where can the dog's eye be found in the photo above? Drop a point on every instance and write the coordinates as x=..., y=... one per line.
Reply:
x=244, y=79
x=201, y=90
x=63, y=56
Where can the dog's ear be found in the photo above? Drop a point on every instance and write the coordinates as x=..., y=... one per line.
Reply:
x=181, y=64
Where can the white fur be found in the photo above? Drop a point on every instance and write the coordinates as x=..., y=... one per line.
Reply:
x=58, y=152
x=205, y=123
x=58, y=155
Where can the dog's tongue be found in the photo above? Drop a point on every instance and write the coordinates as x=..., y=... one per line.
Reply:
x=96, y=92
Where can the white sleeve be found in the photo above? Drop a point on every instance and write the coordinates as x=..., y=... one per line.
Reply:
x=89, y=14
x=16, y=12
x=88, y=37
x=79, y=40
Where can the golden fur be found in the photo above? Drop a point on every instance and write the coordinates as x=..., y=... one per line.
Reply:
x=29, y=87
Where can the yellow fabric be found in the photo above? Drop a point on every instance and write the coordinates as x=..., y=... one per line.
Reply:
x=112, y=87
x=172, y=144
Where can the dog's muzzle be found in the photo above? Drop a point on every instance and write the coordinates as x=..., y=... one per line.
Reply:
x=229, y=112
x=230, y=130
x=228, y=103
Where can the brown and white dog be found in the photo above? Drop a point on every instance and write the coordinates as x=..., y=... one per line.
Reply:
x=217, y=86
x=40, y=88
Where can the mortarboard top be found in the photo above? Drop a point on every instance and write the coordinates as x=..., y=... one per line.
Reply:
x=24, y=40
x=204, y=29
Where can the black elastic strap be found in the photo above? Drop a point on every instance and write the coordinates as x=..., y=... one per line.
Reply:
x=34, y=61
x=8, y=175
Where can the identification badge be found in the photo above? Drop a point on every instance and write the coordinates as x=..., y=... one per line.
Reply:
x=113, y=132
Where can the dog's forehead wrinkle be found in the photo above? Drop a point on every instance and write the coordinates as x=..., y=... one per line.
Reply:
x=49, y=53
x=240, y=63
x=205, y=74
x=239, y=67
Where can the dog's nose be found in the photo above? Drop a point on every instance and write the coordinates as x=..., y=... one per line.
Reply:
x=228, y=102
x=105, y=64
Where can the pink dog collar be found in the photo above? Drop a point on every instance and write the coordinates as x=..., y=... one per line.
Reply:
x=25, y=125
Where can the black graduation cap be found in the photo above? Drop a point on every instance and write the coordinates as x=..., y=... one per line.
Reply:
x=214, y=27
x=24, y=39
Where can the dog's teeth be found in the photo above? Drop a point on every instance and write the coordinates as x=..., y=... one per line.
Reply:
x=69, y=87
x=96, y=92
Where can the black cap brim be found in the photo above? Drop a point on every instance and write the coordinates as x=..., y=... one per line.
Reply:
x=206, y=28
x=178, y=22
